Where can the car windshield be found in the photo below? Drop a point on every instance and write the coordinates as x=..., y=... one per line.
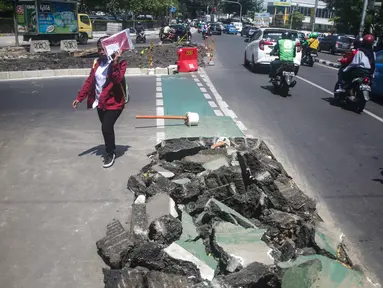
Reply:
x=275, y=35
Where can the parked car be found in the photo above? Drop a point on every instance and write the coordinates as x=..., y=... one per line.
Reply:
x=215, y=29
x=231, y=29
x=377, y=82
x=257, y=51
x=335, y=44
x=248, y=30
x=238, y=25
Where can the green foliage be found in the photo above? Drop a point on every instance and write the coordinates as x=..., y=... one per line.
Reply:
x=6, y=5
x=298, y=18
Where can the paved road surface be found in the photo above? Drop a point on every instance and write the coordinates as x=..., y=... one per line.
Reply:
x=336, y=154
x=55, y=197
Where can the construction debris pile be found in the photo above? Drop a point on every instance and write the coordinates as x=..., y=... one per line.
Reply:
x=19, y=59
x=223, y=217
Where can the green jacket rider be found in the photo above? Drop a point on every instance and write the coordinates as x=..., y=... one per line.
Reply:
x=286, y=50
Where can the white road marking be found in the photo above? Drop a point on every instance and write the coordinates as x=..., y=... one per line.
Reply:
x=160, y=111
x=159, y=95
x=159, y=84
x=203, y=89
x=332, y=93
x=218, y=112
x=199, y=84
x=159, y=89
x=160, y=102
x=207, y=96
x=320, y=64
x=241, y=126
x=212, y=104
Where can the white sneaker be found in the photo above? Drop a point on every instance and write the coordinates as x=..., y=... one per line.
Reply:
x=340, y=90
x=109, y=160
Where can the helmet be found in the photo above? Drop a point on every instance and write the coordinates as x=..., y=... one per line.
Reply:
x=368, y=39
x=138, y=23
x=310, y=35
x=286, y=35
x=314, y=35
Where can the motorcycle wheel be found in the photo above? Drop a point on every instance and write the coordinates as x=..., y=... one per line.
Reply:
x=361, y=103
x=284, y=89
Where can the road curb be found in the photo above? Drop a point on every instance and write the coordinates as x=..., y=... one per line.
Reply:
x=20, y=75
x=327, y=63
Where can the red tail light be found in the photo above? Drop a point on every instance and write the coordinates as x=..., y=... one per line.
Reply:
x=262, y=44
x=299, y=47
x=366, y=80
x=336, y=44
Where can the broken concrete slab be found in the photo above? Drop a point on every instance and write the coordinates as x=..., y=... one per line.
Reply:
x=165, y=230
x=125, y=278
x=189, y=191
x=254, y=275
x=160, y=205
x=177, y=252
x=176, y=149
x=139, y=220
x=238, y=247
x=330, y=273
x=156, y=279
x=136, y=185
x=160, y=184
x=151, y=255
x=115, y=247
x=190, y=241
x=215, y=164
x=162, y=171
x=328, y=239
x=182, y=181
x=218, y=207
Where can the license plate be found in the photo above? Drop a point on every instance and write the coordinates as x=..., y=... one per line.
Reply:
x=365, y=87
x=288, y=73
x=314, y=55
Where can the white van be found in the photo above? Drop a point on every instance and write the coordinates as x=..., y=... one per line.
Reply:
x=238, y=25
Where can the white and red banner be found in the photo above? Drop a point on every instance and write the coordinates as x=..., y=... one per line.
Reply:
x=119, y=41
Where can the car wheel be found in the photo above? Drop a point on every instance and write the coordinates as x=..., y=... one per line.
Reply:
x=245, y=63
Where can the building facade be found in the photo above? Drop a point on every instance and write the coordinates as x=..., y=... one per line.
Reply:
x=306, y=7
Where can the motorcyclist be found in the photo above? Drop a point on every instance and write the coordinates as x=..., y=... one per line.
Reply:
x=311, y=44
x=167, y=30
x=286, y=50
x=362, y=65
x=139, y=28
x=204, y=30
x=348, y=56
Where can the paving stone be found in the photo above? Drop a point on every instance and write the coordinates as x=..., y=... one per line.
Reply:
x=115, y=247
x=238, y=247
x=160, y=205
x=330, y=273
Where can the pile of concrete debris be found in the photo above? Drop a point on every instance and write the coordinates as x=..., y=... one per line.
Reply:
x=224, y=217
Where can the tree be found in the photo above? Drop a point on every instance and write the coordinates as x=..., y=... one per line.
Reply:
x=298, y=18
x=348, y=14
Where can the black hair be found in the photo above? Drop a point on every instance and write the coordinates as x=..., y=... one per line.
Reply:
x=101, y=38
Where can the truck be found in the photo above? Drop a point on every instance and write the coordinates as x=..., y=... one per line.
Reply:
x=53, y=20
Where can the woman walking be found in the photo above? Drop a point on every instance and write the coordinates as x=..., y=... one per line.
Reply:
x=105, y=89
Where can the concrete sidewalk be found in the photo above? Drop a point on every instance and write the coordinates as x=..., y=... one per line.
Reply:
x=56, y=197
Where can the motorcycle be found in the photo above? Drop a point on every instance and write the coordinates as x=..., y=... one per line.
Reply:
x=171, y=37
x=356, y=95
x=309, y=58
x=284, y=79
x=141, y=37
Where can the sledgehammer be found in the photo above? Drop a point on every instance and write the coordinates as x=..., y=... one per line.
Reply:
x=191, y=118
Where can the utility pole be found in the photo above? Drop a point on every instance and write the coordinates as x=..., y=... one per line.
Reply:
x=240, y=8
x=361, y=27
x=15, y=24
x=313, y=17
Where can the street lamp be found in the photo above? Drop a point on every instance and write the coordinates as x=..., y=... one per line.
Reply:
x=240, y=11
x=292, y=15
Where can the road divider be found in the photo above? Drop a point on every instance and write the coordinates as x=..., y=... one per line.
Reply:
x=327, y=63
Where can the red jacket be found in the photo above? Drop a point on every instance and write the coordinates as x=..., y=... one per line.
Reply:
x=347, y=57
x=112, y=96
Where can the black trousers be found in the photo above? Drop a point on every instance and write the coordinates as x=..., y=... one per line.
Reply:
x=108, y=118
x=352, y=74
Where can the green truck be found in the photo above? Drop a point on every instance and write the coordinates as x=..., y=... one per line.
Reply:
x=52, y=20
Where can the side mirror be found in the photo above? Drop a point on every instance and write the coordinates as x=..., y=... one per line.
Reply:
x=247, y=40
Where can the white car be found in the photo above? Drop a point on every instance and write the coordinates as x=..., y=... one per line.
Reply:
x=257, y=51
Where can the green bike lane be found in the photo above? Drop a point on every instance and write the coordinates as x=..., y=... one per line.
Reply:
x=182, y=94
x=191, y=93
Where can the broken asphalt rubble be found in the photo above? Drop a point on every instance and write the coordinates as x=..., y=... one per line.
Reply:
x=224, y=217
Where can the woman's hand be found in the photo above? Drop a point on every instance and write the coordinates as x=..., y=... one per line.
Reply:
x=117, y=55
x=75, y=103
